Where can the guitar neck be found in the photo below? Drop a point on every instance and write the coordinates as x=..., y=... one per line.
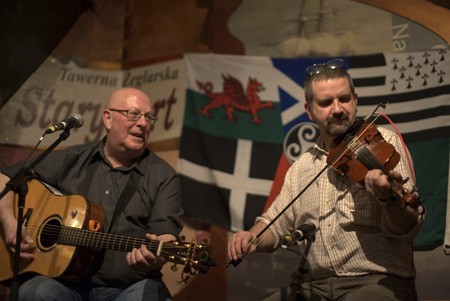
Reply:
x=99, y=240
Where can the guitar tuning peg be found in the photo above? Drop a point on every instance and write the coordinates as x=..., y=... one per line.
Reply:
x=174, y=268
x=184, y=278
x=405, y=180
x=205, y=240
x=203, y=237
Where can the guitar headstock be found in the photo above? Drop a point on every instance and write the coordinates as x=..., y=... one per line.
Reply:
x=193, y=256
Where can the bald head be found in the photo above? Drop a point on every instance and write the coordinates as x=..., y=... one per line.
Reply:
x=127, y=137
x=120, y=96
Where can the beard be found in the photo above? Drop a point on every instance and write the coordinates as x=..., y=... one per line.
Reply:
x=338, y=126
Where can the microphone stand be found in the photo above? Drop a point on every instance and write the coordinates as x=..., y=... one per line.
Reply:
x=18, y=184
x=299, y=275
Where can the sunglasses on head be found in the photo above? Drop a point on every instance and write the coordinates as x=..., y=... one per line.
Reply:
x=317, y=68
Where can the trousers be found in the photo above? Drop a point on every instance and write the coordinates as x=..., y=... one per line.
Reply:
x=45, y=288
x=367, y=288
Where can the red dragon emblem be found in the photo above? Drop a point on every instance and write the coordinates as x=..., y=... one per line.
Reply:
x=233, y=98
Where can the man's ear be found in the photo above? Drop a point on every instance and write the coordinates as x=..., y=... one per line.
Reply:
x=107, y=119
x=308, y=110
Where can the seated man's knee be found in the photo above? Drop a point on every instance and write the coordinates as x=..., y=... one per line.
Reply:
x=45, y=288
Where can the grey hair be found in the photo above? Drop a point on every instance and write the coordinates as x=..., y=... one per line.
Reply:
x=324, y=72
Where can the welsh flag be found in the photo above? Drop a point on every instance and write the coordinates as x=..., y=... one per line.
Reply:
x=415, y=86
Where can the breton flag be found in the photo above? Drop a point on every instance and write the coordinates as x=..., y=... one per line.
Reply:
x=416, y=87
x=228, y=166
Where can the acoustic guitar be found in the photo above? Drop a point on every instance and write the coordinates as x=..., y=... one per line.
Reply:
x=68, y=233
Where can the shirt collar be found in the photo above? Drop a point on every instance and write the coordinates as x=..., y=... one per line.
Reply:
x=99, y=154
x=319, y=149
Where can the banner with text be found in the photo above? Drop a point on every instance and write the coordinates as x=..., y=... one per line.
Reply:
x=57, y=91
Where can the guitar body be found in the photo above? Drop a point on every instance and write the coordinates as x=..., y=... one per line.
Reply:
x=45, y=214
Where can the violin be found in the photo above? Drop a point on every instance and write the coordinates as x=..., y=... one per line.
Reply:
x=363, y=148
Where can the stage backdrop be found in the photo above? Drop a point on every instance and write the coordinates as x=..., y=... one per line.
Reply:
x=245, y=123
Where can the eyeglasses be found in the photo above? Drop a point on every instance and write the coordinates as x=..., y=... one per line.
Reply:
x=135, y=115
x=317, y=68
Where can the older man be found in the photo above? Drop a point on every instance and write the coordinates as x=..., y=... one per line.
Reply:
x=101, y=171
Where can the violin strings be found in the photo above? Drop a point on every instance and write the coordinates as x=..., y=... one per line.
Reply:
x=369, y=160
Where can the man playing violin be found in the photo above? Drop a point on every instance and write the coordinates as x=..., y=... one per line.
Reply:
x=363, y=244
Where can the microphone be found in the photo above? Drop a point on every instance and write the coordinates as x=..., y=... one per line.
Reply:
x=304, y=231
x=75, y=121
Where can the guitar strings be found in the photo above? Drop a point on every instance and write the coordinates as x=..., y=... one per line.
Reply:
x=54, y=234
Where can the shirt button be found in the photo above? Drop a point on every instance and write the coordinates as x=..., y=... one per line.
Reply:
x=106, y=191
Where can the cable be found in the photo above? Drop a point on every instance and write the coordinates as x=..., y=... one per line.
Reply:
x=407, y=155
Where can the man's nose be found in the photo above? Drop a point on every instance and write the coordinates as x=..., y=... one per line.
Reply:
x=337, y=107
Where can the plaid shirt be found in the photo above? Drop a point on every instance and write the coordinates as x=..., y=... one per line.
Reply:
x=352, y=238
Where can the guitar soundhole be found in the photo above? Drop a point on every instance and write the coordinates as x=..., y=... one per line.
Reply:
x=48, y=235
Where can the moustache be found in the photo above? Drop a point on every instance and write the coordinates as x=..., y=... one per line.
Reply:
x=340, y=119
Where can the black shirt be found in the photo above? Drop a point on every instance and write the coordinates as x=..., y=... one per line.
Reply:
x=154, y=208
